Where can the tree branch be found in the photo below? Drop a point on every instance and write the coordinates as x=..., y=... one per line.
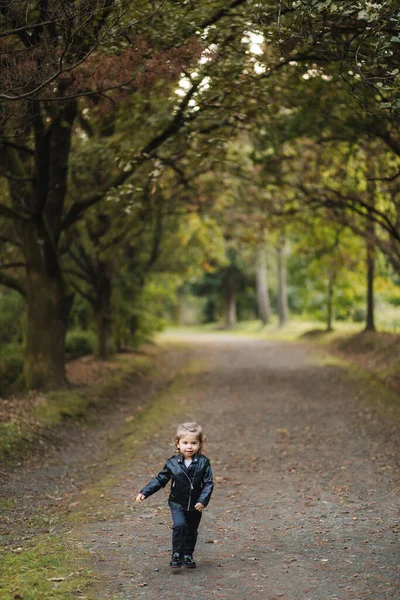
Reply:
x=61, y=71
x=392, y=178
x=223, y=12
x=146, y=153
x=15, y=265
x=353, y=203
x=7, y=212
x=17, y=147
x=7, y=240
x=19, y=30
x=80, y=291
x=12, y=283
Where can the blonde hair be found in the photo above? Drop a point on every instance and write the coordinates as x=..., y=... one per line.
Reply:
x=185, y=428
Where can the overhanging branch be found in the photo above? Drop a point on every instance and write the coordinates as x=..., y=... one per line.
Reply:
x=12, y=283
x=146, y=153
x=9, y=213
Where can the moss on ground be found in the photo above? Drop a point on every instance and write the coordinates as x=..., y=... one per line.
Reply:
x=10, y=433
x=21, y=435
x=50, y=568
x=60, y=405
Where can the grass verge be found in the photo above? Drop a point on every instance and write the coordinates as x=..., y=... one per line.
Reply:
x=52, y=568
x=43, y=413
x=55, y=566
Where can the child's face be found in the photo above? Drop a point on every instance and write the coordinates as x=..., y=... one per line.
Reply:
x=188, y=445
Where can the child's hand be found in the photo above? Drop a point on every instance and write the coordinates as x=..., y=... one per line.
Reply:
x=140, y=498
x=199, y=506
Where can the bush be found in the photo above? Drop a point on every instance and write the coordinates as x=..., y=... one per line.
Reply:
x=79, y=343
x=147, y=327
x=359, y=315
x=12, y=311
x=80, y=317
x=11, y=366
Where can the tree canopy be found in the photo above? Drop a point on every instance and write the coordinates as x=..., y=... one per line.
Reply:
x=156, y=138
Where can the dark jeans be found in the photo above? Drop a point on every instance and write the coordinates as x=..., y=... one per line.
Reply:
x=184, y=528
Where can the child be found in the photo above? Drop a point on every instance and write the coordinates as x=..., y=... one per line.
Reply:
x=191, y=488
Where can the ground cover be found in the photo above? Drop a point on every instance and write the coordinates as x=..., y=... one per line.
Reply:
x=29, y=420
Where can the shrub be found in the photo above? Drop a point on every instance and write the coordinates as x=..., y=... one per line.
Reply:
x=80, y=317
x=11, y=366
x=79, y=343
x=148, y=325
x=12, y=312
x=359, y=315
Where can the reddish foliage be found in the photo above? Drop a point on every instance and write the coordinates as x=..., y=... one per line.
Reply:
x=135, y=68
x=23, y=70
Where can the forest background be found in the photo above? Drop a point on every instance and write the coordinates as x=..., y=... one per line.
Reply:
x=193, y=162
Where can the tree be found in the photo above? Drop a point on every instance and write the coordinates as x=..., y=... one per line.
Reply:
x=263, y=301
x=370, y=252
x=36, y=167
x=283, y=310
x=360, y=39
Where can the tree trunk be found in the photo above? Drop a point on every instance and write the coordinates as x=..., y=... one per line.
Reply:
x=283, y=311
x=180, y=307
x=229, y=291
x=48, y=304
x=370, y=241
x=370, y=320
x=329, y=316
x=48, y=308
x=102, y=311
x=103, y=348
x=263, y=302
x=230, y=308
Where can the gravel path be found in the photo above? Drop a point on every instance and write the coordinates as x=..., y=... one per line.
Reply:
x=305, y=505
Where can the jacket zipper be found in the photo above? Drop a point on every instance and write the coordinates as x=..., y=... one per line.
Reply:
x=191, y=485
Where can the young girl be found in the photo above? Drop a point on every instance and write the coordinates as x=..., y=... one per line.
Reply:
x=191, y=488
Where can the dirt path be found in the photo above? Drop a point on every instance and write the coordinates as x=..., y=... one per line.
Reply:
x=305, y=505
x=305, y=501
x=38, y=491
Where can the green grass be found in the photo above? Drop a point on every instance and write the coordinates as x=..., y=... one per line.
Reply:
x=60, y=405
x=294, y=329
x=52, y=567
x=18, y=436
x=7, y=504
x=9, y=434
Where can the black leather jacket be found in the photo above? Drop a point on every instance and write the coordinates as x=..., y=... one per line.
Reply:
x=188, y=486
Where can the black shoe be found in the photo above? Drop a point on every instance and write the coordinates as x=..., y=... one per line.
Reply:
x=176, y=561
x=188, y=561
